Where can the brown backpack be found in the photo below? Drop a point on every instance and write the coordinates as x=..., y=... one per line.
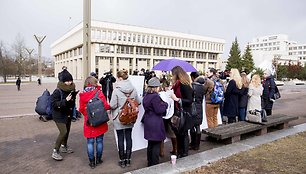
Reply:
x=129, y=111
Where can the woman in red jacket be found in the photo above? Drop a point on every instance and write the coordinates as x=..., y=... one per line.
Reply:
x=93, y=133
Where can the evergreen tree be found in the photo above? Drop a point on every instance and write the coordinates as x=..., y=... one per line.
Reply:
x=234, y=60
x=247, y=60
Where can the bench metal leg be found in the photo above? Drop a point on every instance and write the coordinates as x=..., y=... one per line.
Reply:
x=262, y=131
x=283, y=125
x=232, y=139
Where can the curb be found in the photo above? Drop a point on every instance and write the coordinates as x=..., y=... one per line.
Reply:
x=204, y=158
x=19, y=115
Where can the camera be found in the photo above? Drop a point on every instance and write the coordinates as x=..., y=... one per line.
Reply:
x=108, y=73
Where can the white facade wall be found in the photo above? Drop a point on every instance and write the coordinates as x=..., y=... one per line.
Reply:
x=297, y=52
x=266, y=48
x=117, y=46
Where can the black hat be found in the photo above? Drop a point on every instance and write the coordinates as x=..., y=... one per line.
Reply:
x=66, y=76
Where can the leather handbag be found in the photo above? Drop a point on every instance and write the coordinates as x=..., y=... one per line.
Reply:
x=178, y=119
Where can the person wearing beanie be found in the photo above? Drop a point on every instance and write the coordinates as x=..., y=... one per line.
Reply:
x=63, y=103
x=268, y=92
x=154, y=129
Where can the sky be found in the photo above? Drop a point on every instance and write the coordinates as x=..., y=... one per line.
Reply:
x=225, y=19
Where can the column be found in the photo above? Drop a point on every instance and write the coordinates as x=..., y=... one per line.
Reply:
x=134, y=59
x=151, y=59
x=195, y=60
x=115, y=60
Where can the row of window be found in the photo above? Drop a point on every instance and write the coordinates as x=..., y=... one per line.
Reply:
x=297, y=53
x=70, y=53
x=297, y=48
x=111, y=35
x=264, y=44
x=107, y=48
x=302, y=58
x=267, y=49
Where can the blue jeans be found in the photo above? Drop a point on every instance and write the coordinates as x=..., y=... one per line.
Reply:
x=91, y=148
x=242, y=114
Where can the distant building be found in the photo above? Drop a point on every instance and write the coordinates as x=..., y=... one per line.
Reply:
x=117, y=46
x=266, y=48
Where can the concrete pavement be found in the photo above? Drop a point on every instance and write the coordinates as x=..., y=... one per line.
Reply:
x=26, y=143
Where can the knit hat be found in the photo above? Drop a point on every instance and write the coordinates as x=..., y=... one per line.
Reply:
x=267, y=72
x=154, y=82
x=66, y=76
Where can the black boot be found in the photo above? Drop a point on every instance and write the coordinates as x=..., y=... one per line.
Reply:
x=122, y=159
x=128, y=158
x=99, y=161
x=193, y=140
x=92, y=163
x=197, y=142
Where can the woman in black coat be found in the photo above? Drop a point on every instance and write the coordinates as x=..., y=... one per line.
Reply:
x=63, y=102
x=183, y=90
x=231, y=102
x=268, y=92
x=198, y=91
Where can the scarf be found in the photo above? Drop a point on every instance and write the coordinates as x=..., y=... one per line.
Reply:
x=67, y=88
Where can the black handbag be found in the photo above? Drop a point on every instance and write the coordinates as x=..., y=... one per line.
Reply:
x=178, y=119
x=276, y=94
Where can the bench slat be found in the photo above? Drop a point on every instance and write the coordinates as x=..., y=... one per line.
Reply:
x=236, y=129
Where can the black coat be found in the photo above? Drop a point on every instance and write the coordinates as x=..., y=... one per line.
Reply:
x=61, y=109
x=268, y=93
x=231, y=105
x=186, y=97
x=198, y=95
x=243, y=97
x=107, y=85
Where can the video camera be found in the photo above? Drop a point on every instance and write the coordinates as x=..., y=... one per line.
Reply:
x=108, y=73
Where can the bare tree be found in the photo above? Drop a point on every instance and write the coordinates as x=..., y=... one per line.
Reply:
x=19, y=54
x=7, y=64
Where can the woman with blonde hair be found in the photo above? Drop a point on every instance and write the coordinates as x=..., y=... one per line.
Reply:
x=243, y=97
x=231, y=102
x=183, y=91
x=123, y=89
x=255, y=92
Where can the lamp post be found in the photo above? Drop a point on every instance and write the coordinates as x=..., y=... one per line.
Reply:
x=30, y=52
x=39, y=41
x=275, y=61
x=86, y=59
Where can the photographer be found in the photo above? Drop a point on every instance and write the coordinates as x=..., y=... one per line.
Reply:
x=107, y=84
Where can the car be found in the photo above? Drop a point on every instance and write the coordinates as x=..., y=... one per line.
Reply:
x=279, y=83
x=298, y=82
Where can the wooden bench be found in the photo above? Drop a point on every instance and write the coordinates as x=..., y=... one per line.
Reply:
x=231, y=133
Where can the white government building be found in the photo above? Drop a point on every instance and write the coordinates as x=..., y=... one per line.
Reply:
x=117, y=46
x=266, y=48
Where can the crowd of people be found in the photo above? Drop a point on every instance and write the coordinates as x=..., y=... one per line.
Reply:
x=163, y=99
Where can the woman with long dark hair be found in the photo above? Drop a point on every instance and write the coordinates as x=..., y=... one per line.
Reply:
x=183, y=90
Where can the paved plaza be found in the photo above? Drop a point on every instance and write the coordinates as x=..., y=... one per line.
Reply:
x=26, y=143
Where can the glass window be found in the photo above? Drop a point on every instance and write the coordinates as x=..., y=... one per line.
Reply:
x=119, y=36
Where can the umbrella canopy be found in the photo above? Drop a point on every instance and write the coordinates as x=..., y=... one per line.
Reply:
x=169, y=64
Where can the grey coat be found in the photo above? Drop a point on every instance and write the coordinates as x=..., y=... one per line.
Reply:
x=118, y=99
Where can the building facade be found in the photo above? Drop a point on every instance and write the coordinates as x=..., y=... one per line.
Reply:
x=117, y=46
x=278, y=47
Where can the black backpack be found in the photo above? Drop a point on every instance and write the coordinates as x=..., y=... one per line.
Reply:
x=96, y=111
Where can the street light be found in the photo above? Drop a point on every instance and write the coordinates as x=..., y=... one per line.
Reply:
x=275, y=62
x=39, y=39
x=30, y=52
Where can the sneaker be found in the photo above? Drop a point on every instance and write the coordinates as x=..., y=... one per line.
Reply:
x=65, y=149
x=56, y=155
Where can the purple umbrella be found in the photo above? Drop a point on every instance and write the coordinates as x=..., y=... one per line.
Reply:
x=169, y=64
